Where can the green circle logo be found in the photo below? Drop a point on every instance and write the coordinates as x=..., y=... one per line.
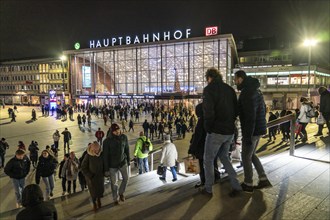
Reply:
x=77, y=46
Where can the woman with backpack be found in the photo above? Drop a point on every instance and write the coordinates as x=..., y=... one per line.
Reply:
x=304, y=117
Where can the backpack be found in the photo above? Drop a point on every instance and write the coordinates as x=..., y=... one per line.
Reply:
x=310, y=112
x=145, y=146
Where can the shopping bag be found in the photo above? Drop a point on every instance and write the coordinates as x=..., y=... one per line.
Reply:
x=177, y=166
x=160, y=170
x=298, y=128
x=320, y=120
x=70, y=142
x=191, y=165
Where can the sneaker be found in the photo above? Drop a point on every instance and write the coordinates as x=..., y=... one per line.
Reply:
x=162, y=178
x=206, y=193
x=234, y=193
x=263, y=184
x=173, y=180
x=116, y=202
x=122, y=198
x=63, y=193
x=246, y=188
x=51, y=194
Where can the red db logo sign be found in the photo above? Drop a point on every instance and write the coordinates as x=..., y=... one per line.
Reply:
x=209, y=31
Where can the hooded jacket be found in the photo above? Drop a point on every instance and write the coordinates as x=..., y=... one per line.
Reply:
x=252, y=109
x=219, y=108
x=115, y=152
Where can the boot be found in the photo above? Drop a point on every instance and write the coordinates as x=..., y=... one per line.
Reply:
x=99, y=205
x=94, y=207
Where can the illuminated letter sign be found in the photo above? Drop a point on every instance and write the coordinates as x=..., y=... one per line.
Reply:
x=87, y=77
x=209, y=31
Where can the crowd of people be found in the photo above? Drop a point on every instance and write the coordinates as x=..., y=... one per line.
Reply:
x=215, y=134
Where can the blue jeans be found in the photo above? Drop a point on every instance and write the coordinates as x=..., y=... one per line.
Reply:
x=19, y=185
x=248, y=157
x=172, y=170
x=49, y=182
x=114, y=181
x=218, y=145
x=143, y=162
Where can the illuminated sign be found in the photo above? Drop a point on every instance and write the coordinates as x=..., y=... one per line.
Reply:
x=112, y=97
x=84, y=97
x=138, y=97
x=52, y=96
x=87, y=76
x=209, y=31
x=145, y=38
x=77, y=46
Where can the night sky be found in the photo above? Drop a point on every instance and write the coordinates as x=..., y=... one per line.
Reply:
x=45, y=28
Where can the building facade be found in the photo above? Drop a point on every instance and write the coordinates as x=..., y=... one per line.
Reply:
x=282, y=82
x=30, y=81
x=153, y=69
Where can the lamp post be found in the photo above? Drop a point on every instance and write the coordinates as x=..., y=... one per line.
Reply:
x=63, y=58
x=309, y=43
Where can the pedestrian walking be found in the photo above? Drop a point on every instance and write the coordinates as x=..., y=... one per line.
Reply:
x=168, y=158
x=56, y=138
x=325, y=105
x=92, y=168
x=61, y=174
x=66, y=137
x=116, y=159
x=252, y=114
x=142, y=147
x=3, y=148
x=70, y=168
x=99, y=134
x=17, y=169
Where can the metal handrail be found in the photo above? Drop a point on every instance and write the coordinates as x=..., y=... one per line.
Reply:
x=288, y=118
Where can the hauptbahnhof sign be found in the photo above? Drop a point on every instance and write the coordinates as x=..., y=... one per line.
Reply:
x=137, y=39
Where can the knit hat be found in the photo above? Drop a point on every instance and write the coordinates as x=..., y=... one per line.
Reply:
x=114, y=127
x=167, y=137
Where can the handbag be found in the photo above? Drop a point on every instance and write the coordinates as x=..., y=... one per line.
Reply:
x=320, y=120
x=298, y=128
x=160, y=170
x=191, y=165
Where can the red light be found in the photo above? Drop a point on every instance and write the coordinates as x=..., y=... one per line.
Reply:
x=209, y=31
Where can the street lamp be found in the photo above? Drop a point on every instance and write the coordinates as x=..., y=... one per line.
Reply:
x=63, y=58
x=309, y=43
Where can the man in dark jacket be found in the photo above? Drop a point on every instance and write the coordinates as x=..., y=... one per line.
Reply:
x=66, y=139
x=252, y=114
x=325, y=105
x=116, y=159
x=17, y=169
x=3, y=147
x=35, y=206
x=220, y=112
x=45, y=169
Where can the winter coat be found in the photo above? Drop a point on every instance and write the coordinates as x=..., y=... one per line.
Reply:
x=219, y=108
x=17, y=169
x=169, y=154
x=198, y=139
x=115, y=152
x=46, y=166
x=252, y=109
x=138, y=147
x=67, y=136
x=92, y=169
x=41, y=211
x=70, y=168
x=99, y=134
x=56, y=136
x=305, y=107
x=325, y=103
x=61, y=173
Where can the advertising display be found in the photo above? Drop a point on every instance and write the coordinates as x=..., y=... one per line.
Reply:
x=87, y=76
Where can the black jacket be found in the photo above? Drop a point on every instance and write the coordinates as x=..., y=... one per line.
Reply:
x=16, y=168
x=41, y=211
x=198, y=139
x=46, y=166
x=115, y=152
x=252, y=109
x=325, y=102
x=66, y=135
x=219, y=108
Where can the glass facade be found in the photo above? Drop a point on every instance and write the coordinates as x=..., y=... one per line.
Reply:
x=158, y=68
